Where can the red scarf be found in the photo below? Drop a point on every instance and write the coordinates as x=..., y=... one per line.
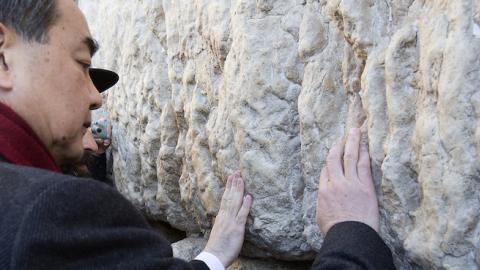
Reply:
x=20, y=145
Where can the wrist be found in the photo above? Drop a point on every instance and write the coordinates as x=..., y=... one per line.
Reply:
x=218, y=255
x=212, y=260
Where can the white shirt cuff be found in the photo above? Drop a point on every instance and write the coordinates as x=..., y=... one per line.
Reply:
x=210, y=260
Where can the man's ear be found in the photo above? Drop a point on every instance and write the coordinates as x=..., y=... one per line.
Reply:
x=6, y=38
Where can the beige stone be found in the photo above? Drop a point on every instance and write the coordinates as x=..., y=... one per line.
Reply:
x=210, y=87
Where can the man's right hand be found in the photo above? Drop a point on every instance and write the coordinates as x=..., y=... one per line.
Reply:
x=226, y=238
x=346, y=191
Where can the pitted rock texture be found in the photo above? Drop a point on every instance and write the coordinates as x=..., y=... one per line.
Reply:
x=265, y=87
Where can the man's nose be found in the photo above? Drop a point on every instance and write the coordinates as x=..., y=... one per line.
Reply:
x=95, y=97
x=89, y=143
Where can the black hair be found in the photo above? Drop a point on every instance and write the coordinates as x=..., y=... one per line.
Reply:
x=31, y=19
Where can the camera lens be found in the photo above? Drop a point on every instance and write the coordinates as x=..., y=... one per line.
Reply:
x=99, y=130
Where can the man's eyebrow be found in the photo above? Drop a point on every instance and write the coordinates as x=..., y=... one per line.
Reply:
x=92, y=45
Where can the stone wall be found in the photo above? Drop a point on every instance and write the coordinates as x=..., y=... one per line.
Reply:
x=210, y=87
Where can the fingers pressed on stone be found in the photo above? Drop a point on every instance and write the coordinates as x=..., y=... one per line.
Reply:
x=229, y=182
x=232, y=183
x=237, y=194
x=350, y=158
x=245, y=209
x=226, y=194
x=334, y=161
x=364, y=169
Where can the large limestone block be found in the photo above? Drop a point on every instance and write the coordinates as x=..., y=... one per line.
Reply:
x=210, y=87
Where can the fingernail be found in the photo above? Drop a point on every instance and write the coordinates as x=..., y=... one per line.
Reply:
x=354, y=131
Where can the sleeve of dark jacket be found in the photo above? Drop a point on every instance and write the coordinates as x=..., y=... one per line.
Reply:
x=83, y=224
x=353, y=245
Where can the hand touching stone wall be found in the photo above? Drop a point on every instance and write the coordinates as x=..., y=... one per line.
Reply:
x=209, y=87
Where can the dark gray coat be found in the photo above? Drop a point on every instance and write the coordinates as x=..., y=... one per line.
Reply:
x=53, y=221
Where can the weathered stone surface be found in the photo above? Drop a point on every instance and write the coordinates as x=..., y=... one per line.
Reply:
x=188, y=248
x=209, y=87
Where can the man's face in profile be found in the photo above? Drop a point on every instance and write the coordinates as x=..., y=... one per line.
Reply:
x=51, y=86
